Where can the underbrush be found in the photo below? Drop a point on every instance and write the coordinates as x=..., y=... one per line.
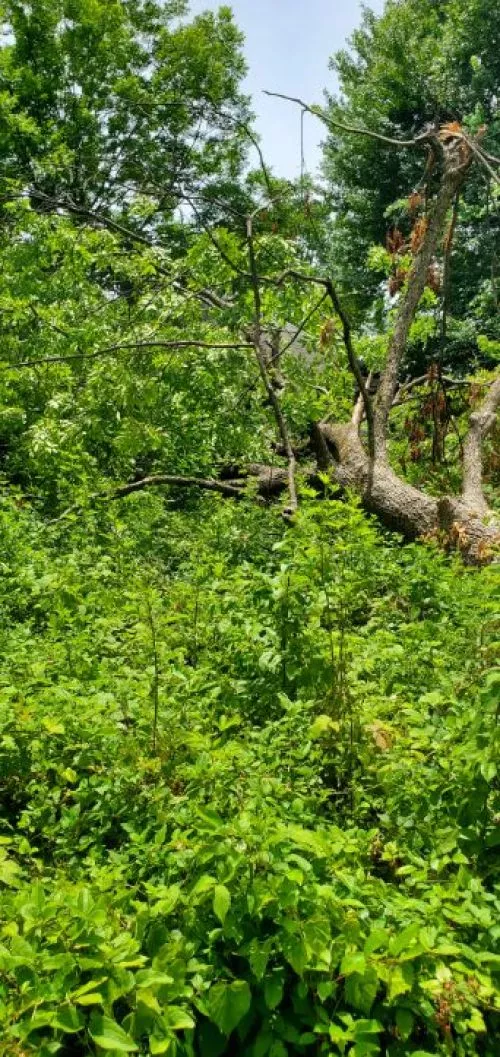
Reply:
x=248, y=787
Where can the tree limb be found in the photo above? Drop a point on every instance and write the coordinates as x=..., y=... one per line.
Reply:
x=133, y=346
x=455, y=166
x=179, y=480
x=447, y=266
x=256, y=334
x=205, y=295
x=359, y=407
x=354, y=364
x=480, y=424
x=354, y=129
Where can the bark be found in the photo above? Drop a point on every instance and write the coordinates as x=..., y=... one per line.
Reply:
x=480, y=424
x=472, y=529
x=398, y=505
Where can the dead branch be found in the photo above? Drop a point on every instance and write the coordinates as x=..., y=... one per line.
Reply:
x=208, y=484
x=354, y=129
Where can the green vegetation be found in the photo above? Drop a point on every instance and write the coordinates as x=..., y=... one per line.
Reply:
x=249, y=757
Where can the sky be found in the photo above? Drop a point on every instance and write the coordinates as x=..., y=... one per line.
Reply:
x=288, y=45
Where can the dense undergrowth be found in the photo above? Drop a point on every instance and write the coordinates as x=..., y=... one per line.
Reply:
x=249, y=789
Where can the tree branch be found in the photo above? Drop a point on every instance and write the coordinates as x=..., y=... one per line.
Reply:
x=205, y=295
x=455, y=166
x=301, y=327
x=447, y=266
x=354, y=129
x=133, y=346
x=480, y=424
x=256, y=334
x=354, y=364
x=179, y=480
x=359, y=407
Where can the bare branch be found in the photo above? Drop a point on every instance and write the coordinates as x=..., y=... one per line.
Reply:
x=178, y=480
x=483, y=159
x=446, y=380
x=131, y=347
x=354, y=129
x=264, y=373
x=354, y=364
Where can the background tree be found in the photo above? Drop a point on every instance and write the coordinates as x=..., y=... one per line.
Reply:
x=418, y=65
x=121, y=108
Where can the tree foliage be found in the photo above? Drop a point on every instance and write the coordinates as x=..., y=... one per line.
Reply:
x=418, y=65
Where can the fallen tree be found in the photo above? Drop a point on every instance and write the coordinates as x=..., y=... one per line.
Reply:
x=355, y=454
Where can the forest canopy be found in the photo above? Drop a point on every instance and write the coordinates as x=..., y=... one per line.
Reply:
x=249, y=541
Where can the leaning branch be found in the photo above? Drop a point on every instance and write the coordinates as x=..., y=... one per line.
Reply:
x=480, y=424
x=354, y=129
x=354, y=364
x=455, y=163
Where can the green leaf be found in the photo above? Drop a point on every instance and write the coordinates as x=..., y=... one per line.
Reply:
x=405, y=939
x=367, y=1027
x=109, y=1035
x=68, y=1019
x=258, y=956
x=178, y=1019
x=295, y=952
x=92, y=998
x=152, y=978
x=160, y=1045
x=353, y=963
x=168, y=901
x=322, y=725
x=278, y=1049
x=273, y=988
x=400, y=981
x=204, y=884
x=361, y=990
x=222, y=902
x=377, y=940
x=404, y=1022
x=227, y=1004
x=476, y=1022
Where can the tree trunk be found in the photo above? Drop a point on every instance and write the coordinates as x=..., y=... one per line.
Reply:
x=473, y=530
